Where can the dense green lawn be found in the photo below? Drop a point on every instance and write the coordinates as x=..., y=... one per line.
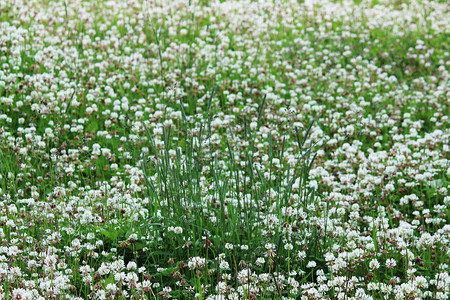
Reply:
x=224, y=149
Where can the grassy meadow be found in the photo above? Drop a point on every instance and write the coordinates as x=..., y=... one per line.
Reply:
x=195, y=149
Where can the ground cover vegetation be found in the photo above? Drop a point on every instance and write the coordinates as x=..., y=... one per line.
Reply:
x=224, y=149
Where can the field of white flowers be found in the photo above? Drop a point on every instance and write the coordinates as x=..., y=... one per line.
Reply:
x=195, y=149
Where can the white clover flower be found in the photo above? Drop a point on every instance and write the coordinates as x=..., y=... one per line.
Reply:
x=131, y=265
x=390, y=263
x=224, y=265
x=374, y=264
x=260, y=261
x=111, y=287
x=389, y=187
x=229, y=246
x=301, y=255
x=269, y=246
x=288, y=246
